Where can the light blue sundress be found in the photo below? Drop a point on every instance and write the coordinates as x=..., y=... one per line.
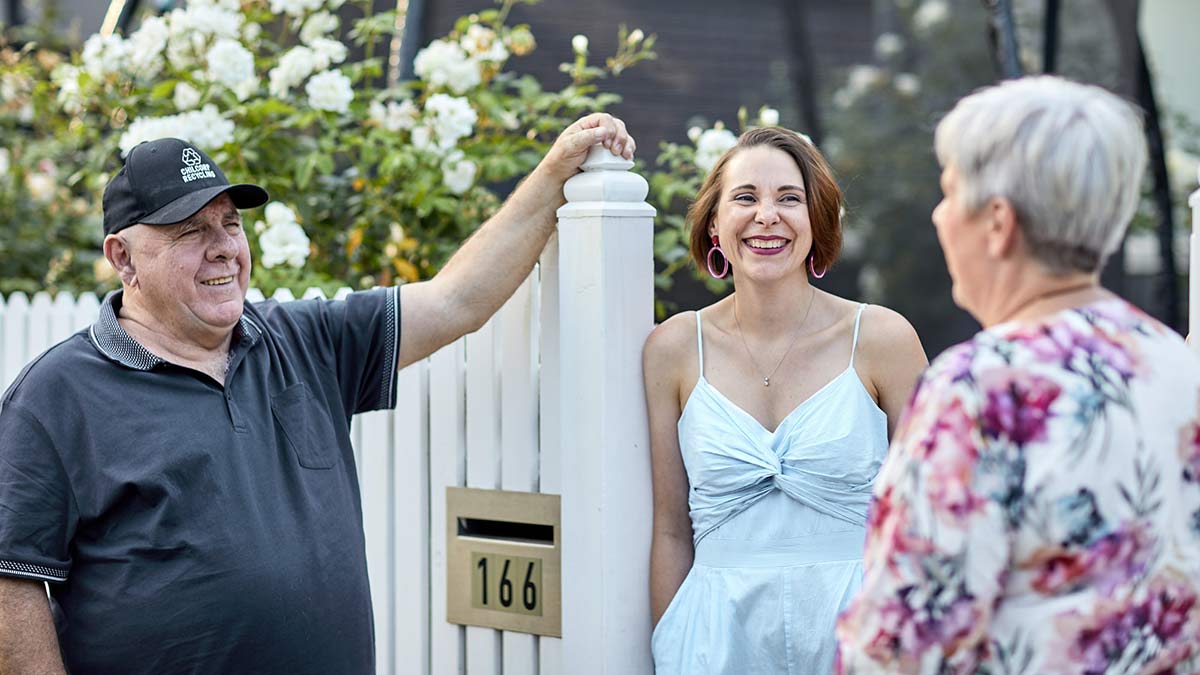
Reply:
x=778, y=524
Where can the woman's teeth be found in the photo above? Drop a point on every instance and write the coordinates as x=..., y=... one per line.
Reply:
x=766, y=243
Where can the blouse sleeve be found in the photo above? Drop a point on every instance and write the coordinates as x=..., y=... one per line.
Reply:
x=938, y=540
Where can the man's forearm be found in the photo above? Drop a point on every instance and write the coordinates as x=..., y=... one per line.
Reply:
x=493, y=262
x=28, y=643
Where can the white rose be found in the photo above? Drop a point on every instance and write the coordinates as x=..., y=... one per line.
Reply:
x=103, y=55
x=445, y=64
x=422, y=139
x=296, y=64
x=394, y=116
x=768, y=117
x=227, y=5
x=145, y=129
x=251, y=31
x=12, y=87
x=693, y=134
x=862, y=78
x=579, y=43
x=145, y=47
x=284, y=244
x=481, y=42
x=711, y=145
x=278, y=213
x=888, y=45
x=328, y=52
x=246, y=88
x=842, y=98
x=931, y=14
x=330, y=91
x=295, y=7
x=41, y=186
x=186, y=96
x=66, y=77
x=230, y=63
x=1184, y=170
x=452, y=117
x=216, y=21
x=191, y=31
x=205, y=127
x=635, y=37
x=908, y=84
x=318, y=26
x=459, y=177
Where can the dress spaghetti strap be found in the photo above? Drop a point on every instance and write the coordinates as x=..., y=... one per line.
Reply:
x=857, y=321
x=699, y=343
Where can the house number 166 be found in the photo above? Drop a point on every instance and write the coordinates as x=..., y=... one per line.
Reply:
x=506, y=583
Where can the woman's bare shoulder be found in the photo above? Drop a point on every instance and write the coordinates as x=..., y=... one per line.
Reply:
x=671, y=343
x=885, y=336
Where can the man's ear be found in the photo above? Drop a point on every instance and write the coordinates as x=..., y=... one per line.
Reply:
x=1003, y=229
x=118, y=250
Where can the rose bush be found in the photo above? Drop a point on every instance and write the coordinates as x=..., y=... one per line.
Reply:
x=373, y=182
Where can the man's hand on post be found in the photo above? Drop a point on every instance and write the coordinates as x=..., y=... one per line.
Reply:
x=490, y=265
x=570, y=149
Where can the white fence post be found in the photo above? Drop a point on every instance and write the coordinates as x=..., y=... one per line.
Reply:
x=606, y=286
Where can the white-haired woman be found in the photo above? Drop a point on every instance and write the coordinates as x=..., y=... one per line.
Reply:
x=1039, y=511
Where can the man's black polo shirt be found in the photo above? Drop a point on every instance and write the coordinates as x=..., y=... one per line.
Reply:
x=189, y=527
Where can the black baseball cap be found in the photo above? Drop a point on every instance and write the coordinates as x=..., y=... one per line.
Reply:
x=168, y=180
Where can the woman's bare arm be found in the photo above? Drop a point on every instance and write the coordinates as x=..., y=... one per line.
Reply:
x=894, y=359
x=671, y=550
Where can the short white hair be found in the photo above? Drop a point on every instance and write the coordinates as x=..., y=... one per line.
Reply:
x=1069, y=157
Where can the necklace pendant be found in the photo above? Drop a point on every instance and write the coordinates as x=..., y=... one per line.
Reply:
x=766, y=381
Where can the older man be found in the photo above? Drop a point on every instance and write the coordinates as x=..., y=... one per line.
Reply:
x=181, y=472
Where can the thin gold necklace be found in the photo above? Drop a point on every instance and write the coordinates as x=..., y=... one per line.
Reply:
x=767, y=378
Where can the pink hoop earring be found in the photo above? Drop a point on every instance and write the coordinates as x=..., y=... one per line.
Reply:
x=814, y=269
x=716, y=248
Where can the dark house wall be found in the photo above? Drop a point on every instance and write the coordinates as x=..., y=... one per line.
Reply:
x=714, y=55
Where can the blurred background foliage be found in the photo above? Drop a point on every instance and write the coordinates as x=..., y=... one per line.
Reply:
x=867, y=80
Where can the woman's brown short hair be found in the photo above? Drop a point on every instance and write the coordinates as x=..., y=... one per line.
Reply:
x=822, y=193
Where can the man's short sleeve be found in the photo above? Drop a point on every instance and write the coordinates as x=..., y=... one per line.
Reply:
x=37, y=508
x=362, y=334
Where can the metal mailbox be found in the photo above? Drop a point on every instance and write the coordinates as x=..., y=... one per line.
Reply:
x=504, y=560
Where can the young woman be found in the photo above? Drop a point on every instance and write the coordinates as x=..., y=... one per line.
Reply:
x=770, y=413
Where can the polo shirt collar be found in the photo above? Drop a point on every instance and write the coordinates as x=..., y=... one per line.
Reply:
x=111, y=339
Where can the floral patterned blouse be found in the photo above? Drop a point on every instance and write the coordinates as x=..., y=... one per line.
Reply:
x=1039, y=511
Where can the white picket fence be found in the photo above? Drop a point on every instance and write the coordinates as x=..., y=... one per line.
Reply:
x=493, y=410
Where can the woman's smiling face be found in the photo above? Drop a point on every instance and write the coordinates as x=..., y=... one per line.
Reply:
x=762, y=215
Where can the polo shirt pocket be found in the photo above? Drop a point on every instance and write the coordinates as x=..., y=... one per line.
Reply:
x=307, y=427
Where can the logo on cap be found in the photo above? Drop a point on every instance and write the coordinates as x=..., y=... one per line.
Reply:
x=194, y=166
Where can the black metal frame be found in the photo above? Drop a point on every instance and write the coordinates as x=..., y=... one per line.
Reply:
x=1168, y=282
x=1002, y=33
x=1050, y=37
x=14, y=13
x=804, y=75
